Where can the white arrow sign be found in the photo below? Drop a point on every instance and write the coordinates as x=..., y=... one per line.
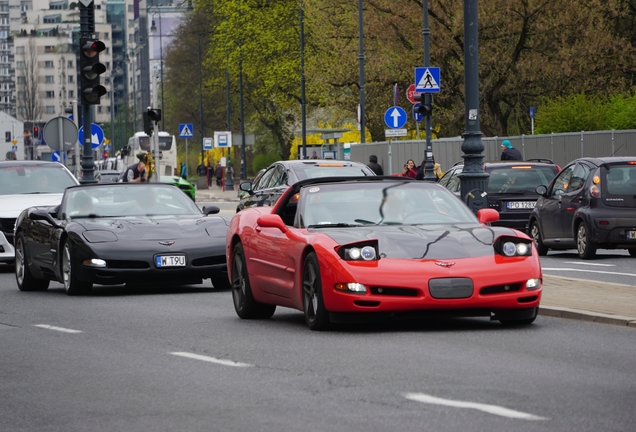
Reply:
x=396, y=117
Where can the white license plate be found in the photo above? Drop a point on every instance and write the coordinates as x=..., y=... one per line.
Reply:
x=170, y=261
x=520, y=204
x=631, y=235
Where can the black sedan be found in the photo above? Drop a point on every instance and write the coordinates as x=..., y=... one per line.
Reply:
x=266, y=190
x=108, y=234
x=590, y=205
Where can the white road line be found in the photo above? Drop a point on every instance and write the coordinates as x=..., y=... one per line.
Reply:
x=491, y=409
x=211, y=359
x=60, y=329
x=589, y=264
x=589, y=271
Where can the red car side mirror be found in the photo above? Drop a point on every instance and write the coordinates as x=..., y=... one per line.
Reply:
x=487, y=215
x=272, y=221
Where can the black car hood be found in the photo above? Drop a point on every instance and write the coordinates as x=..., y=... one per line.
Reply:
x=157, y=228
x=423, y=241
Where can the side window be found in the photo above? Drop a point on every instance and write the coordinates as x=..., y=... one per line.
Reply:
x=262, y=183
x=579, y=175
x=276, y=177
x=562, y=181
x=444, y=180
x=454, y=183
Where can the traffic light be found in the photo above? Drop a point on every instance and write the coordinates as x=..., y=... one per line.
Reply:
x=90, y=70
x=425, y=108
x=151, y=116
x=154, y=114
x=147, y=123
x=36, y=132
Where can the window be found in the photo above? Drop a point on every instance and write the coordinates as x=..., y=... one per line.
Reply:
x=99, y=109
x=70, y=94
x=562, y=181
x=19, y=50
x=50, y=94
x=49, y=79
x=20, y=65
x=131, y=8
x=49, y=49
x=48, y=64
x=21, y=95
x=50, y=109
x=21, y=80
x=69, y=64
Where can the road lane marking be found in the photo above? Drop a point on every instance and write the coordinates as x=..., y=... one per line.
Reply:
x=211, y=359
x=589, y=264
x=490, y=409
x=589, y=271
x=60, y=329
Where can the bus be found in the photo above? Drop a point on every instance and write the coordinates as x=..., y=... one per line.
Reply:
x=140, y=142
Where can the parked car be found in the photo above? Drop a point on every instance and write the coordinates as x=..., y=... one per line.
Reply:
x=590, y=205
x=107, y=176
x=340, y=249
x=511, y=187
x=187, y=187
x=108, y=234
x=24, y=184
x=280, y=175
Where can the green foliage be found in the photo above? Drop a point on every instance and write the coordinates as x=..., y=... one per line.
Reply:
x=263, y=160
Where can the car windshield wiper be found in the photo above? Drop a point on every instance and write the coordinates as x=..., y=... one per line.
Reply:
x=334, y=225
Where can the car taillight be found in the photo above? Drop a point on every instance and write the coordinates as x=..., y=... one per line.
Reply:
x=595, y=189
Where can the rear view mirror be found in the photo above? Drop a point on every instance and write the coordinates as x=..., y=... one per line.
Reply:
x=541, y=190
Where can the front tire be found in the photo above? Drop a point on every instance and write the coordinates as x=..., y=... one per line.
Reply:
x=316, y=316
x=535, y=233
x=72, y=285
x=632, y=252
x=583, y=243
x=512, y=321
x=23, y=276
x=244, y=304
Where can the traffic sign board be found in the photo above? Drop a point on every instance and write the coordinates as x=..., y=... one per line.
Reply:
x=97, y=136
x=56, y=156
x=223, y=139
x=410, y=93
x=207, y=143
x=185, y=130
x=531, y=112
x=427, y=80
x=395, y=132
x=416, y=114
x=395, y=117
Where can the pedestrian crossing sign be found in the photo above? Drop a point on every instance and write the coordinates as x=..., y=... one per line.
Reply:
x=185, y=130
x=427, y=80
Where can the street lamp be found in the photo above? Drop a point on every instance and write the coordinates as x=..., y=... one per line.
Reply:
x=153, y=29
x=361, y=64
x=303, y=102
x=473, y=176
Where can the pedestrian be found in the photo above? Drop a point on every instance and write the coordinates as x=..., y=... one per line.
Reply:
x=314, y=155
x=437, y=170
x=375, y=166
x=409, y=169
x=508, y=152
x=218, y=173
x=183, y=171
x=135, y=173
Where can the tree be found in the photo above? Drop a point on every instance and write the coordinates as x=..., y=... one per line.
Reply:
x=29, y=106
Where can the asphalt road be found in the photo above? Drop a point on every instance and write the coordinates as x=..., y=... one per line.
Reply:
x=169, y=359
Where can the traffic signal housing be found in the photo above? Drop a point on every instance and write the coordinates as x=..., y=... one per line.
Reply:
x=151, y=117
x=425, y=108
x=90, y=70
x=36, y=132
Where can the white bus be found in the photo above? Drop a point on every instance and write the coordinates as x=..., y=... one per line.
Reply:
x=140, y=142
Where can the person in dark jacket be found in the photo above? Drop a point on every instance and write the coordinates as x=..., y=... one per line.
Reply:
x=135, y=173
x=375, y=166
x=508, y=152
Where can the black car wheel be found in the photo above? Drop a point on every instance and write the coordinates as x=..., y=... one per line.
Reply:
x=632, y=252
x=535, y=233
x=512, y=321
x=583, y=243
x=23, y=276
x=220, y=282
x=316, y=315
x=72, y=285
x=244, y=304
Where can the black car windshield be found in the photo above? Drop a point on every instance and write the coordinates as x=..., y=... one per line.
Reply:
x=35, y=179
x=331, y=169
x=380, y=203
x=127, y=200
x=522, y=179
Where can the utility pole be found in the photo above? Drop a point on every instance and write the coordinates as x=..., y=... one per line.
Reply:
x=429, y=165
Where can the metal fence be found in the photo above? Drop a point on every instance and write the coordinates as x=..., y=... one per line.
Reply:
x=561, y=148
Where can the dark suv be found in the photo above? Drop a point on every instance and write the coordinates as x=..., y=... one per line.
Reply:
x=511, y=187
x=590, y=205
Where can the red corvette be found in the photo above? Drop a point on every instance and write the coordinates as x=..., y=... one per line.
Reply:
x=339, y=249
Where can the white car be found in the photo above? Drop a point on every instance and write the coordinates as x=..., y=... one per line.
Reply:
x=25, y=184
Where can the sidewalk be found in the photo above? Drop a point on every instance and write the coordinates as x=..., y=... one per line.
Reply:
x=563, y=297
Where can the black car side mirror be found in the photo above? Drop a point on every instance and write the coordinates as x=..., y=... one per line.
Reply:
x=37, y=214
x=208, y=210
x=542, y=190
x=246, y=187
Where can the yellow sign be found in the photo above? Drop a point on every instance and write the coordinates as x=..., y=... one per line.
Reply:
x=14, y=142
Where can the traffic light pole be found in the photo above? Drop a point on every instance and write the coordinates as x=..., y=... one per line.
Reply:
x=429, y=164
x=87, y=28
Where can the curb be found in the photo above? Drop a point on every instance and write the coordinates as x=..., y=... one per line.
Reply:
x=587, y=316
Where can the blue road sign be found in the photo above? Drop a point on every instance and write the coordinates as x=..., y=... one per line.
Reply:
x=97, y=136
x=395, y=117
x=427, y=80
x=14, y=149
x=185, y=130
x=56, y=156
x=417, y=115
x=531, y=112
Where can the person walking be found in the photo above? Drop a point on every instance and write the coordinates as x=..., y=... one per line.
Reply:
x=437, y=170
x=218, y=173
x=375, y=166
x=508, y=152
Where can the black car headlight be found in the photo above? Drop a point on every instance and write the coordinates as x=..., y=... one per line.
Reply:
x=363, y=251
x=99, y=236
x=513, y=246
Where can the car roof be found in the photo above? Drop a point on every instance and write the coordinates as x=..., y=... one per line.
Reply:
x=28, y=163
x=500, y=164
x=598, y=161
x=298, y=162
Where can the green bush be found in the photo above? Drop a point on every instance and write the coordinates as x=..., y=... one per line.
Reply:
x=263, y=160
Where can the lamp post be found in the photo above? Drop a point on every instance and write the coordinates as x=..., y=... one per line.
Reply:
x=303, y=102
x=429, y=165
x=153, y=29
x=361, y=64
x=473, y=176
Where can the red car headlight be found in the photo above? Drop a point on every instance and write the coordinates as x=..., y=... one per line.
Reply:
x=363, y=251
x=512, y=246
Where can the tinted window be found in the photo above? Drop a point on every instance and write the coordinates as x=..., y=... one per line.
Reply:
x=277, y=177
x=579, y=175
x=51, y=178
x=562, y=181
x=521, y=179
x=621, y=180
x=262, y=183
x=331, y=170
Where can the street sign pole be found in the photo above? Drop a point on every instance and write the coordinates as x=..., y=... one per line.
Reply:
x=186, y=161
x=429, y=165
x=87, y=28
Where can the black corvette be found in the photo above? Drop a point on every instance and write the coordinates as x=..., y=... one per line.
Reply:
x=111, y=234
